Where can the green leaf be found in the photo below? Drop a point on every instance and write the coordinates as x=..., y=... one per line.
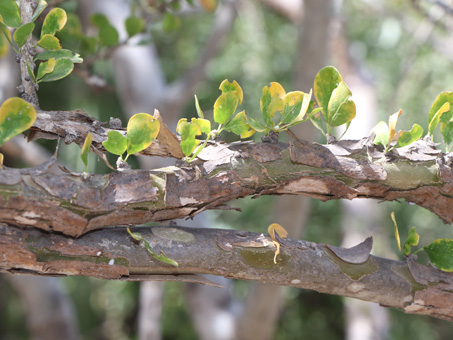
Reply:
x=204, y=124
x=10, y=12
x=197, y=106
x=30, y=72
x=49, y=42
x=440, y=253
x=6, y=32
x=408, y=137
x=382, y=134
x=170, y=23
x=63, y=67
x=108, y=35
x=188, y=131
x=225, y=106
x=46, y=68
x=271, y=101
x=226, y=86
x=54, y=21
x=256, y=125
x=326, y=81
x=446, y=129
x=162, y=257
x=316, y=119
x=303, y=109
x=22, y=33
x=292, y=104
x=397, y=234
x=16, y=116
x=86, y=150
x=412, y=240
x=142, y=129
x=4, y=46
x=42, y=4
x=60, y=54
x=437, y=116
x=441, y=99
x=239, y=126
x=341, y=108
x=134, y=25
x=116, y=143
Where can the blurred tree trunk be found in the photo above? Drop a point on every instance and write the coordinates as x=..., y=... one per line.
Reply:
x=364, y=321
x=264, y=302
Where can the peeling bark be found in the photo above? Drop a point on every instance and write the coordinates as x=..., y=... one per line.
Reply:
x=77, y=203
x=112, y=254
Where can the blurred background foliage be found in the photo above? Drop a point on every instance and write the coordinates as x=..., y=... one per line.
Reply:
x=406, y=58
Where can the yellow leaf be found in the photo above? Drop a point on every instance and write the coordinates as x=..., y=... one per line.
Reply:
x=274, y=229
x=393, y=119
x=397, y=234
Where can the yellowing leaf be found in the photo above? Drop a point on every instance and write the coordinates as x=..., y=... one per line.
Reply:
x=54, y=21
x=436, y=118
x=86, y=150
x=225, y=106
x=271, y=101
x=188, y=131
x=142, y=129
x=46, y=67
x=275, y=230
x=49, y=42
x=397, y=234
x=226, y=86
x=16, y=116
x=393, y=119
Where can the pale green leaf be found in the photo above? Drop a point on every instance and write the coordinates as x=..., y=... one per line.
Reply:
x=440, y=253
x=23, y=33
x=116, y=143
x=225, y=106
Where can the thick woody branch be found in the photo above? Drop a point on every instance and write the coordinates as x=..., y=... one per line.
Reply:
x=75, y=204
x=112, y=254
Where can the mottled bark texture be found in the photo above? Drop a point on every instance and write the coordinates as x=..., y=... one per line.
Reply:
x=112, y=254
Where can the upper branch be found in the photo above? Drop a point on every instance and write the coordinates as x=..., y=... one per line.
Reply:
x=75, y=204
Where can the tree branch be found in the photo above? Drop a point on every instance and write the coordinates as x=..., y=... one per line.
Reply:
x=112, y=254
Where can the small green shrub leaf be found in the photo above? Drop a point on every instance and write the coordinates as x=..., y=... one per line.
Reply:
x=188, y=131
x=446, y=129
x=256, y=125
x=441, y=99
x=341, y=108
x=42, y=4
x=226, y=86
x=412, y=240
x=134, y=25
x=170, y=22
x=54, y=21
x=16, y=116
x=239, y=126
x=440, y=253
x=22, y=33
x=108, y=35
x=60, y=54
x=63, y=67
x=271, y=101
x=197, y=106
x=49, y=42
x=10, y=12
x=397, y=234
x=382, y=136
x=46, y=67
x=116, y=143
x=326, y=81
x=204, y=124
x=292, y=104
x=142, y=129
x=86, y=150
x=225, y=106
x=6, y=32
x=408, y=137
x=437, y=116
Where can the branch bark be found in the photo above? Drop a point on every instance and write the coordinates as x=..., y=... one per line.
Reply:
x=75, y=204
x=112, y=254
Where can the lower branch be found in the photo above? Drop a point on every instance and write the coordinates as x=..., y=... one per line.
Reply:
x=113, y=254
